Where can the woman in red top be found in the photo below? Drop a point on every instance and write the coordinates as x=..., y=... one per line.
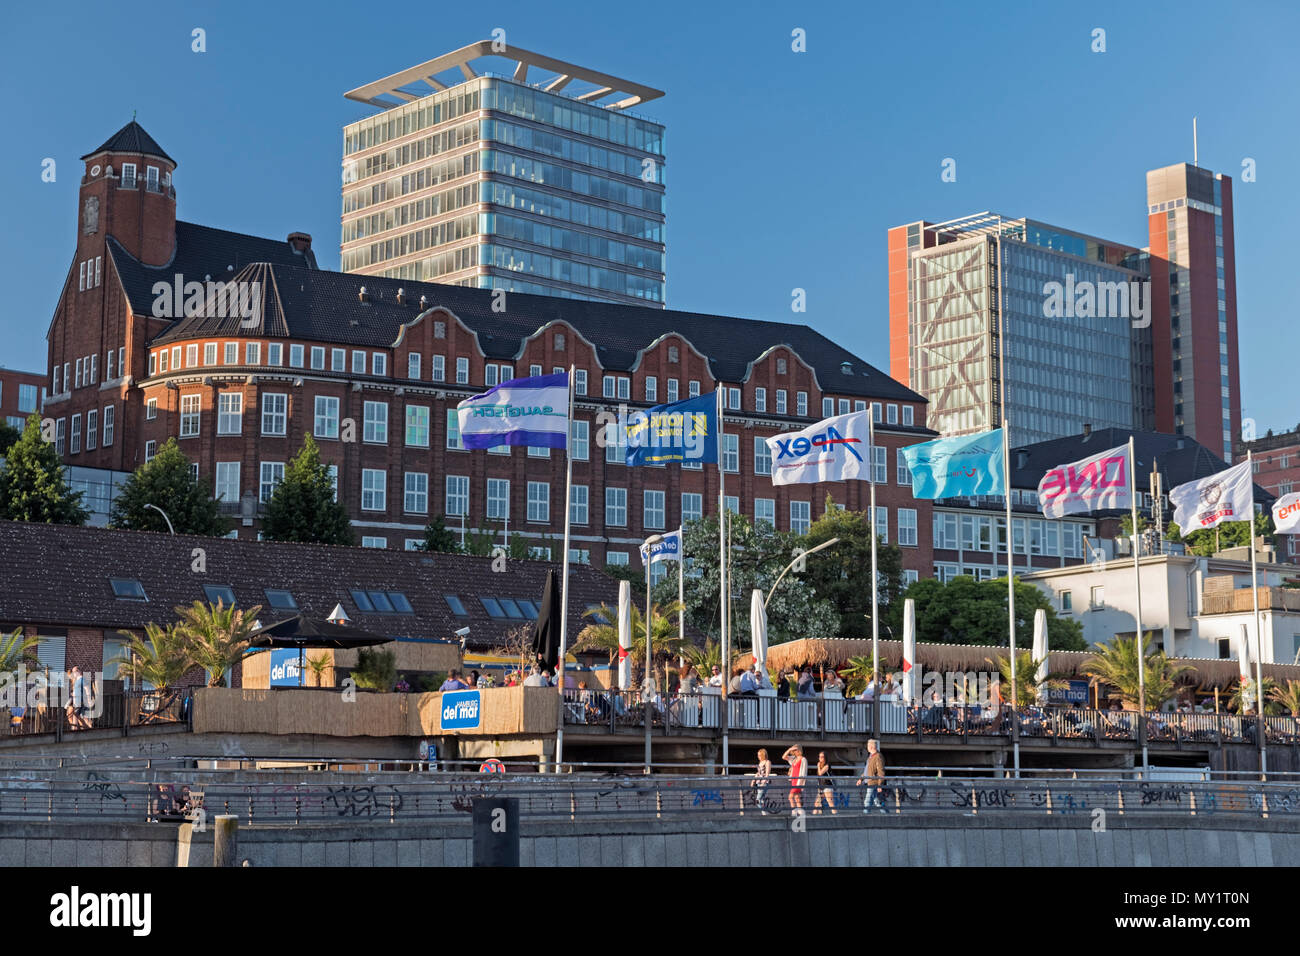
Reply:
x=798, y=774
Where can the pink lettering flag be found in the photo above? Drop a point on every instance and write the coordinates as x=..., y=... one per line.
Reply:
x=1099, y=483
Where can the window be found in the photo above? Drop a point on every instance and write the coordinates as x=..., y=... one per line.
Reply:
x=191, y=356
x=1067, y=602
x=733, y=398
x=844, y=406
x=578, y=504
x=492, y=606
x=376, y=422
x=760, y=399
x=371, y=541
x=651, y=388
x=210, y=353
x=60, y=434
x=692, y=506
x=558, y=341
x=535, y=452
x=828, y=407
x=456, y=605
x=417, y=425
x=108, y=375
x=579, y=440
x=608, y=388
x=230, y=413
x=439, y=367
x=907, y=527
x=616, y=506
x=415, y=499
x=693, y=389
x=624, y=387
x=891, y=414
x=108, y=424
x=730, y=452
x=453, y=429
x=652, y=515
x=318, y=357
x=413, y=365
x=580, y=381
x=800, y=516
x=762, y=457
x=910, y=576
x=907, y=415
x=374, y=489
x=615, y=444
x=190, y=415
x=127, y=589
x=780, y=401
x=1098, y=598
x=859, y=406
x=462, y=371
x=339, y=360
x=765, y=510
x=150, y=409
x=94, y=368
x=801, y=404
x=81, y=277
x=498, y=498
x=882, y=524
x=272, y=474
x=876, y=412
x=539, y=501
x=274, y=354
x=232, y=353
x=76, y=435
x=281, y=600
x=227, y=481
x=904, y=474
x=672, y=390
x=616, y=558
x=358, y=362
x=252, y=353
x=275, y=418
x=379, y=363
x=327, y=417
x=879, y=467
x=219, y=594
x=92, y=428
x=457, y=495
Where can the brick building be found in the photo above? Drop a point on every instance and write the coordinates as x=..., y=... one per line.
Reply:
x=1276, y=463
x=146, y=344
x=20, y=395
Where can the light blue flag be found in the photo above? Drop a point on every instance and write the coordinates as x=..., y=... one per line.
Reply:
x=523, y=411
x=956, y=467
x=669, y=549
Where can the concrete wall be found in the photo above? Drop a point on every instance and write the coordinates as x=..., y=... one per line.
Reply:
x=845, y=841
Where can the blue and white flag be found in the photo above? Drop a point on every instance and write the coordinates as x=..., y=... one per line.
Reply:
x=682, y=431
x=956, y=467
x=523, y=411
x=835, y=449
x=669, y=549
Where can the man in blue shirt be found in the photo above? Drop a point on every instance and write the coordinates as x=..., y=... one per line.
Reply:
x=453, y=682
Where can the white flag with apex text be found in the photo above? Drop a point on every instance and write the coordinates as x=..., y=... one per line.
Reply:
x=1208, y=502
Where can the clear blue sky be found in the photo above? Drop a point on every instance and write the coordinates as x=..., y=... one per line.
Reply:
x=784, y=169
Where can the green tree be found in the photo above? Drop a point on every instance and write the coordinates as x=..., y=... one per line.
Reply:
x=1116, y=665
x=167, y=483
x=32, y=484
x=217, y=637
x=438, y=538
x=303, y=508
x=1028, y=686
x=160, y=658
x=8, y=436
x=966, y=611
x=16, y=650
x=842, y=573
x=1243, y=697
x=376, y=669
x=666, y=642
x=1288, y=695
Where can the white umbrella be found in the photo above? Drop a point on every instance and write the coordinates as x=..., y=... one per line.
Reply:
x=1040, y=644
x=1243, y=665
x=624, y=634
x=910, y=668
x=758, y=628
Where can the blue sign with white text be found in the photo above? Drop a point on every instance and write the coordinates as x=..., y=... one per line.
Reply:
x=460, y=709
x=284, y=667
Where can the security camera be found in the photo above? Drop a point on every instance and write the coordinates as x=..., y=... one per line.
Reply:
x=463, y=632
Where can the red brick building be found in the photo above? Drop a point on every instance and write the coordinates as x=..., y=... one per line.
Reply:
x=20, y=395
x=1276, y=464
x=146, y=344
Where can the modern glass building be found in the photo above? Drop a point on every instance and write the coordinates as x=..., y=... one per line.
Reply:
x=537, y=180
x=1074, y=349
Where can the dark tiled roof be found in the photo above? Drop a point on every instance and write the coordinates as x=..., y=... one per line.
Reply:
x=132, y=138
x=1178, y=458
x=201, y=252
x=325, y=306
x=58, y=576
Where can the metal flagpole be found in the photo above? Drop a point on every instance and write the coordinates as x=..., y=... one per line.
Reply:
x=1259, y=633
x=722, y=594
x=681, y=583
x=1137, y=582
x=564, y=585
x=1011, y=581
x=875, y=588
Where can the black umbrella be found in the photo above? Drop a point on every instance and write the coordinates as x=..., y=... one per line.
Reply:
x=546, y=634
x=302, y=632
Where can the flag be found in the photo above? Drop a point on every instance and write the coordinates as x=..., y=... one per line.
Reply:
x=1099, y=483
x=1208, y=502
x=954, y=467
x=835, y=449
x=669, y=549
x=546, y=632
x=1286, y=514
x=681, y=431
x=523, y=411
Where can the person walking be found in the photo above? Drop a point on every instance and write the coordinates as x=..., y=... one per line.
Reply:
x=762, y=777
x=798, y=777
x=825, y=784
x=873, y=774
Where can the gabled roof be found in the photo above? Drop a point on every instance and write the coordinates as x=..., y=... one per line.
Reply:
x=41, y=560
x=325, y=306
x=132, y=138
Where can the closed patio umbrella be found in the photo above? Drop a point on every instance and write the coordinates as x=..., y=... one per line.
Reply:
x=910, y=670
x=758, y=628
x=1040, y=646
x=624, y=635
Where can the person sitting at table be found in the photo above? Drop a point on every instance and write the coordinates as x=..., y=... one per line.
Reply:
x=760, y=677
x=833, y=685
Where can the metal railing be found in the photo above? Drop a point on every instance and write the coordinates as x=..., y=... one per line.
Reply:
x=120, y=710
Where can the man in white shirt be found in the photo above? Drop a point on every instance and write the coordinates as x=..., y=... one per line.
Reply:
x=535, y=678
x=715, y=679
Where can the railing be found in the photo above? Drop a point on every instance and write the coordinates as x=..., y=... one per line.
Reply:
x=122, y=710
x=686, y=713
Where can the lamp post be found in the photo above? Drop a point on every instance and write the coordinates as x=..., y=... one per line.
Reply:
x=648, y=685
x=165, y=518
x=820, y=547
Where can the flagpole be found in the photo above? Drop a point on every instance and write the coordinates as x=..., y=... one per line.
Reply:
x=564, y=586
x=681, y=583
x=875, y=588
x=1011, y=584
x=722, y=594
x=1259, y=633
x=1137, y=581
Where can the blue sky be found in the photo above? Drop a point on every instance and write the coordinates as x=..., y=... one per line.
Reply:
x=784, y=169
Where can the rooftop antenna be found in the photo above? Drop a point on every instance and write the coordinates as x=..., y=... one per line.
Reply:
x=1195, y=152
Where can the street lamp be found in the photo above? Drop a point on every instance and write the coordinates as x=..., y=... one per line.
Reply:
x=820, y=547
x=648, y=685
x=165, y=518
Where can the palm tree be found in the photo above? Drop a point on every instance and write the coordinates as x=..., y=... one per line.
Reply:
x=1243, y=696
x=1116, y=664
x=859, y=673
x=218, y=637
x=15, y=650
x=665, y=641
x=1288, y=696
x=704, y=658
x=160, y=658
x=1028, y=687
x=317, y=667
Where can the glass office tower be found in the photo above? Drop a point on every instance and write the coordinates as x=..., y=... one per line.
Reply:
x=495, y=182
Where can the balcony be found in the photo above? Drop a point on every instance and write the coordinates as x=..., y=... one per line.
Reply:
x=1239, y=600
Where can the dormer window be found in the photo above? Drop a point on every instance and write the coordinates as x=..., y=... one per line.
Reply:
x=128, y=589
x=846, y=368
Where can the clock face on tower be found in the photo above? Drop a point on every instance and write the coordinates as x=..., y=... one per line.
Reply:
x=90, y=216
